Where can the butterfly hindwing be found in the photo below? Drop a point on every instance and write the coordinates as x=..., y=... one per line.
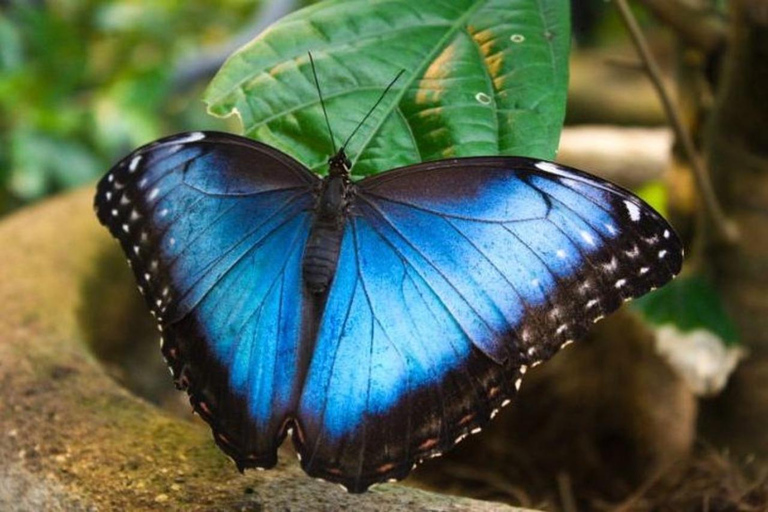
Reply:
x=201, y=217
x=454, y=277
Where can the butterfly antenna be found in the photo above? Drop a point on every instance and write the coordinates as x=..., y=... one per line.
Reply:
x=373, y=108
x=322, y=103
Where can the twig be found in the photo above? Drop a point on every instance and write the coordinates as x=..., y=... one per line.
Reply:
x=725, y=229
x=630, y=503
x=565, y=489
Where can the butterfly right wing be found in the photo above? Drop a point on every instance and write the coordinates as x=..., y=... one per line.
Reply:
x=201, y=217
x=455, y=277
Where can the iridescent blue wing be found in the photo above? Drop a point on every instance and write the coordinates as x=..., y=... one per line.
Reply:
x=214, y=227
x=454, y=278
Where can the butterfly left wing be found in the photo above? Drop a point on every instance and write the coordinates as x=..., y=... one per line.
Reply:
x=214, y=226
x=454, y=277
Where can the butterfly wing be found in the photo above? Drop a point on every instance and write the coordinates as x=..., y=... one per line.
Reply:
x=201, y=217
x=454, y=277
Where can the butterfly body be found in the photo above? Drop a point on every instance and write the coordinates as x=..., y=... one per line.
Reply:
x=379, y=321
x=330, y=213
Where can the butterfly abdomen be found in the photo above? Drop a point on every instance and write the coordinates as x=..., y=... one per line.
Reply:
x=321, y=256
x=322, y=251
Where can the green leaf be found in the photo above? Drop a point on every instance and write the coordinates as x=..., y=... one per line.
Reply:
x=689, y=303
x=655, y=193
x=482, y=77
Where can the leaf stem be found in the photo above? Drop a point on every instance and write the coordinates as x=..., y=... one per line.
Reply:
x=726, y=230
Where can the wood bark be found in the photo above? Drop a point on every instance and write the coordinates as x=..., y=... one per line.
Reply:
x=737, y=149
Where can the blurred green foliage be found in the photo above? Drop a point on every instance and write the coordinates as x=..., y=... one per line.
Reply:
x=84, y=81
x=689, y=303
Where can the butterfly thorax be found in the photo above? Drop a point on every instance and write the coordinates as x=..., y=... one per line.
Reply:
x=322, y=251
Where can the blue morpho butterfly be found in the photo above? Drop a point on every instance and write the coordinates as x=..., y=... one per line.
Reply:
x=379, y=322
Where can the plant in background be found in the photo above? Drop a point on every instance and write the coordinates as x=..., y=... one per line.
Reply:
x=81, y=82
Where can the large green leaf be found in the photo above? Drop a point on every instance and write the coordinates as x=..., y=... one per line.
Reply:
x=689, y=303
x=482, y=77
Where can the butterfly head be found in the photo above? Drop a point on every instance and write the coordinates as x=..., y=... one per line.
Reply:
x=339, y=164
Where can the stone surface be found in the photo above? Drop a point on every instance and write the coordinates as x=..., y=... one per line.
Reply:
x=72, y=438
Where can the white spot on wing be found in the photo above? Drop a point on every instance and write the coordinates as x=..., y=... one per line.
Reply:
x=588, y=238
x=633, y=210
x=611, y=265
x=192, y=137
x=134, y=163
x=561, y=254
x=154, y=193
x=634, y=253
x=549, y=167
x=620, y=283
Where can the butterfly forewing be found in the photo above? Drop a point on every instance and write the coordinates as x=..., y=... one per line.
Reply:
x=214, y=228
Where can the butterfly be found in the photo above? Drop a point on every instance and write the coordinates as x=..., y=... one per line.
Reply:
x=378, y=322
